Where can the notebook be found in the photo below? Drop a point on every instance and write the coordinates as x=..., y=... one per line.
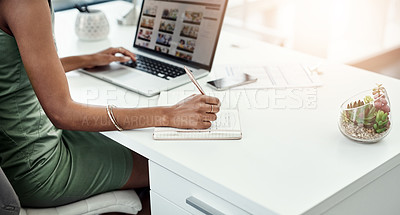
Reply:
x=226, y=127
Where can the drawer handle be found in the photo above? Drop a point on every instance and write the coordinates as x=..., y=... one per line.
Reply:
x=203, y=207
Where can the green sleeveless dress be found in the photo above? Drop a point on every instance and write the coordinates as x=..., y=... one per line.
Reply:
x=48, y=166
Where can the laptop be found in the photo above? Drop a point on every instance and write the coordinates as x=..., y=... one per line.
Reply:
x=170, y=34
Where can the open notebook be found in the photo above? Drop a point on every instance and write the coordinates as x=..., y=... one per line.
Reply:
x=226, y=127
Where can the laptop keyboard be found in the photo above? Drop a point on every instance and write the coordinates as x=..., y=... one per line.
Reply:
x=155, y=67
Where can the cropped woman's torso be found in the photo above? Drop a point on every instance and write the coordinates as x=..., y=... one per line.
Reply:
x=28, y=139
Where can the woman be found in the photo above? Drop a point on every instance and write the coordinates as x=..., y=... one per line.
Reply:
x=50, y=148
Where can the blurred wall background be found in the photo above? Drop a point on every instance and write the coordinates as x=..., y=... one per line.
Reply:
x=342, y=30
x=363, y=33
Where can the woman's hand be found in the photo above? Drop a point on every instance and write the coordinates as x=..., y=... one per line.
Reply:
x=196, y=111
x=108, y=56
x=102, y=58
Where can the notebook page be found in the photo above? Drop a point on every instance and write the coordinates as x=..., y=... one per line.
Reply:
x=227, y=120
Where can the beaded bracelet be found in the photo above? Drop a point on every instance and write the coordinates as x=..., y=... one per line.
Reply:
x=112, y=118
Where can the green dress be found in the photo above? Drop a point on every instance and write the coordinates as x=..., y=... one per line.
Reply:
x=48, y=166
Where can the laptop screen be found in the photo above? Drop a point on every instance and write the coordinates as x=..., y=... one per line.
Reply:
x=184, y=30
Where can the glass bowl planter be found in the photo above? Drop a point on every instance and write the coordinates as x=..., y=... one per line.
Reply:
x=366, y=116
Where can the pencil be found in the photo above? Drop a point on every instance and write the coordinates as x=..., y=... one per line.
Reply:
x=194, y=80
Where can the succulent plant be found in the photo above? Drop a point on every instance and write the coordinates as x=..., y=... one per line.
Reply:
x=378, y=91
x=381, y=122
x=368, y=99
x=349, y=114
x=380, y=100
x=360, y=113
x=345, y=117
x=358, y=103
x=381, y=104
x=366, y=115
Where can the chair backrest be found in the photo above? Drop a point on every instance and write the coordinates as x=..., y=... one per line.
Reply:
x=9, y=202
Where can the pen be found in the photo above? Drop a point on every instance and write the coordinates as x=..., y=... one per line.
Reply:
x=194, y=80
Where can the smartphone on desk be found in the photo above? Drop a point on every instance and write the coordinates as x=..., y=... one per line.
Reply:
x=232, y=81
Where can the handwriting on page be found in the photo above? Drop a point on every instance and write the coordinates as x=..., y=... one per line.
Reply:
x=225, y=121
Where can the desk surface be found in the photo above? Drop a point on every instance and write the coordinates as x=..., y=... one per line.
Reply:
x=292, y=158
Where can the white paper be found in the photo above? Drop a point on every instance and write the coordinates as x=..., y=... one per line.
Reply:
x=272, y=76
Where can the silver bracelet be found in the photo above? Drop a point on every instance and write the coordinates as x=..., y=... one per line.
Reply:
x=112, y=118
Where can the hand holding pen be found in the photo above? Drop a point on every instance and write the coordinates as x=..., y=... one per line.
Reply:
x=194, y=81
x=196, y=111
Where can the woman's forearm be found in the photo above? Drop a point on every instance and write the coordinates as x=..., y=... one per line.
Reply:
x=75, y=62
x=101, y=58
x=93, y=118
x=195, y=112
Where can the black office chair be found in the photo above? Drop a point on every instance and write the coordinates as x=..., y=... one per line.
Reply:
x=123, y=201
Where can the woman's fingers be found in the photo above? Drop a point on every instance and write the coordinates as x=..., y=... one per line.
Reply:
x=207, y=108
x=120, y=50
x=196, y=111
x=127, y=53
x=121, y=58
x=214, y=108
x=210, y=117
x=205, y=124
x=211, y=100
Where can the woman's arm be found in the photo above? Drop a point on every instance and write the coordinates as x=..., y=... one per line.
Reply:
x=102, y=58
x=30, y=23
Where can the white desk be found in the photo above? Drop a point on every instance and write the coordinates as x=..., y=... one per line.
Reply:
x=291, y=160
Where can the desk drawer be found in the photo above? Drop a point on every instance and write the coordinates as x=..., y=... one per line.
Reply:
x=161, y=206
x=188, y=195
